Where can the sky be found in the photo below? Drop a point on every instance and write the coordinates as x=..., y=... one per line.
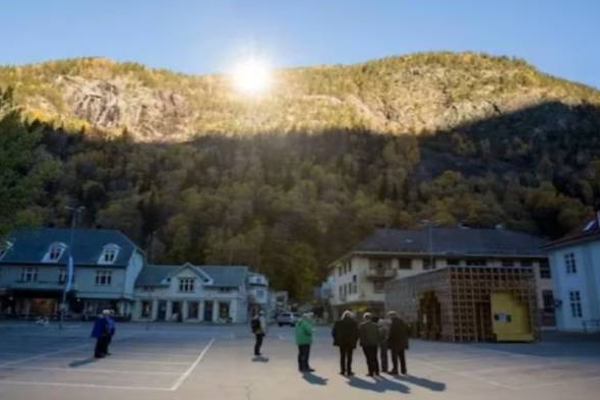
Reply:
x=561, y=37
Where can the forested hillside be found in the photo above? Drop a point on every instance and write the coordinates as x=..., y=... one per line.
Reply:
x=287, y=199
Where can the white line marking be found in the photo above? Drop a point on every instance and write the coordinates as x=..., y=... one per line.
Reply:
x=187, y=373
x=102, y=371
x=135, y=361
x=86, y=385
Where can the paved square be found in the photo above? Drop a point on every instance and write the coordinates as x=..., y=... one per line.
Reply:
x=191, y=362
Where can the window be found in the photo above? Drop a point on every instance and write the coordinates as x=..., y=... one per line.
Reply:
x=570, y=263
x=340, y=290
x=146, y=309
x=354, y=278
x=55, y=252
x=193, y=310
x=109, y=254
x=428, y=263
x=339, y=271
x=260, y=293
x=379, y=287
x=186, y=285
x=225, y=289
x=508, y=263
x=477, y=262
x=545, y=269
x=575, y=300
x=526, y=263
x=548, y=301
x=453, y=261
x=103, y=277
x=29, y=274
x=404, y=263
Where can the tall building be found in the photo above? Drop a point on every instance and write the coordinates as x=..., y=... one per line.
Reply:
x=575, y=264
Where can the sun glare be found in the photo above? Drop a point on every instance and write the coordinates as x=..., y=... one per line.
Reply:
x=252, y=77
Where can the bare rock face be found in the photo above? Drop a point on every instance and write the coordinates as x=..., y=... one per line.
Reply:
x=124, y=103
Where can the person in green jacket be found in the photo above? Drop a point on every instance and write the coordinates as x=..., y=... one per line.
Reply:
x=304, y=337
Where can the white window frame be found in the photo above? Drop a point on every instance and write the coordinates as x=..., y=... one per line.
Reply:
x=103, y=277
x=187, y=285
x=29, y=274
x=570, y=263
x=575, y=303
x=109, y=254
x=55, y=252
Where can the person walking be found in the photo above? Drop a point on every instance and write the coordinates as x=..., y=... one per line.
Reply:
x=111, y=328
x=398, y=342
x=304, y=336
x=369, y=338
x=345, y=336
x=100, y=333
x=384, y=334
x=259, y=328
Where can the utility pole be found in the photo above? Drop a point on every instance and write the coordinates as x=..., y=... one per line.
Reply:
x=70, y=265
x=429, y=225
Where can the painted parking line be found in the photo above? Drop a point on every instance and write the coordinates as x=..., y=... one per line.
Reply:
x=86, y=385
x=92, y=370
x=127, y=360
x=187, y=373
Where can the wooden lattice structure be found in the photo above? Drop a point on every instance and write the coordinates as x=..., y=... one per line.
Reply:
x=454, y=303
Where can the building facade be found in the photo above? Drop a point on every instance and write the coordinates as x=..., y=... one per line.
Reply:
x=258, y=293
x=34, y=272
x=360, y=277
x=190, y=293
x=575, y=264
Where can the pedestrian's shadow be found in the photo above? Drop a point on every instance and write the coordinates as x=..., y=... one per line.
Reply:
x=379, y=385
x=314, y=379
x=80, y=363
x=424, y=382
x=260, y=359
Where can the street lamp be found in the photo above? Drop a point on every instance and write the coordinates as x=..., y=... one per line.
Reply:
x=430, y=225
x=70, y=264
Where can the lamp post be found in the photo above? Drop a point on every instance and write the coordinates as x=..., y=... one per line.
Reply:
x=70, y=264
x=430, y=225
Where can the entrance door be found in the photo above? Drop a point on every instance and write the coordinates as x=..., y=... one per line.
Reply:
x=43, y=307
x=510, y=318
x=176, y=311
x=224, y=311
x=193, y=309
x=208, y=311
x=162, y=310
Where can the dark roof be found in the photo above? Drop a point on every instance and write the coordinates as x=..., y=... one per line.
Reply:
x=222, y=276
x=589, y=230
x=453, y=241
x=29, y=245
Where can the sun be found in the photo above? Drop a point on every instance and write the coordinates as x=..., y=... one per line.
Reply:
x=252, y=76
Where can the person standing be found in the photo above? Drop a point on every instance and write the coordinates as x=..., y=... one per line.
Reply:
x=398, y=342
x=111, y=328
x=369, y=338
x=259, y=328
x=345, y=336
x=100, y=333
x=384, y=334
x=304, y=336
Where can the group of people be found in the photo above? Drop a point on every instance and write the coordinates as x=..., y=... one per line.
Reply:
x=103, y=331
x=377, y=337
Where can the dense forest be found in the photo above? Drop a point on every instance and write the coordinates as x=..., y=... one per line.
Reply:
x=288, y=203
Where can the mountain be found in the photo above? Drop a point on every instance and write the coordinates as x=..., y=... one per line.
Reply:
x=416, y=94
x=193, y=171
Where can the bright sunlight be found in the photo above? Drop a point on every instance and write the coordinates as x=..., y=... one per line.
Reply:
x=252, y=76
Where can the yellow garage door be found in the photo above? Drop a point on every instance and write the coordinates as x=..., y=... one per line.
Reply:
x=510, y=318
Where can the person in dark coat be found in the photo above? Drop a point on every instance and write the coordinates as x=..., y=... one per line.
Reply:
x=369, y=338
x=398, y=342
x=111, y=327
x=259, y=328
x=100, y=333
x=345, y=336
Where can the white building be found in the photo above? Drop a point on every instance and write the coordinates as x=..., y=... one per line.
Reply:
x=575, y=264
x=258, y=292
x=190, y=293
x=360, y=276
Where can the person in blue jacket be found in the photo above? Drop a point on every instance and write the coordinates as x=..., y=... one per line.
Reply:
x=101, y=333
x=111, y=328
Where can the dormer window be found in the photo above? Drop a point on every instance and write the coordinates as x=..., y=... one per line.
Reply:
x=55, y=252
x=109, y=254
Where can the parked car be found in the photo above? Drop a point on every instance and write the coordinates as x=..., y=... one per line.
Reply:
x=286, y=318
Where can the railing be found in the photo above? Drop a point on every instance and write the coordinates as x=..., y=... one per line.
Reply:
x=378, y=273
x=591, y=325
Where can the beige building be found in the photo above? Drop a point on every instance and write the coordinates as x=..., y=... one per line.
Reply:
x=360, y=276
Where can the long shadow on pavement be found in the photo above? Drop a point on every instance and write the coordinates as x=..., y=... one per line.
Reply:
x=314, y=379
x=380, y=385
x=260, y=359
x=80, y=363
x=424, y=382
